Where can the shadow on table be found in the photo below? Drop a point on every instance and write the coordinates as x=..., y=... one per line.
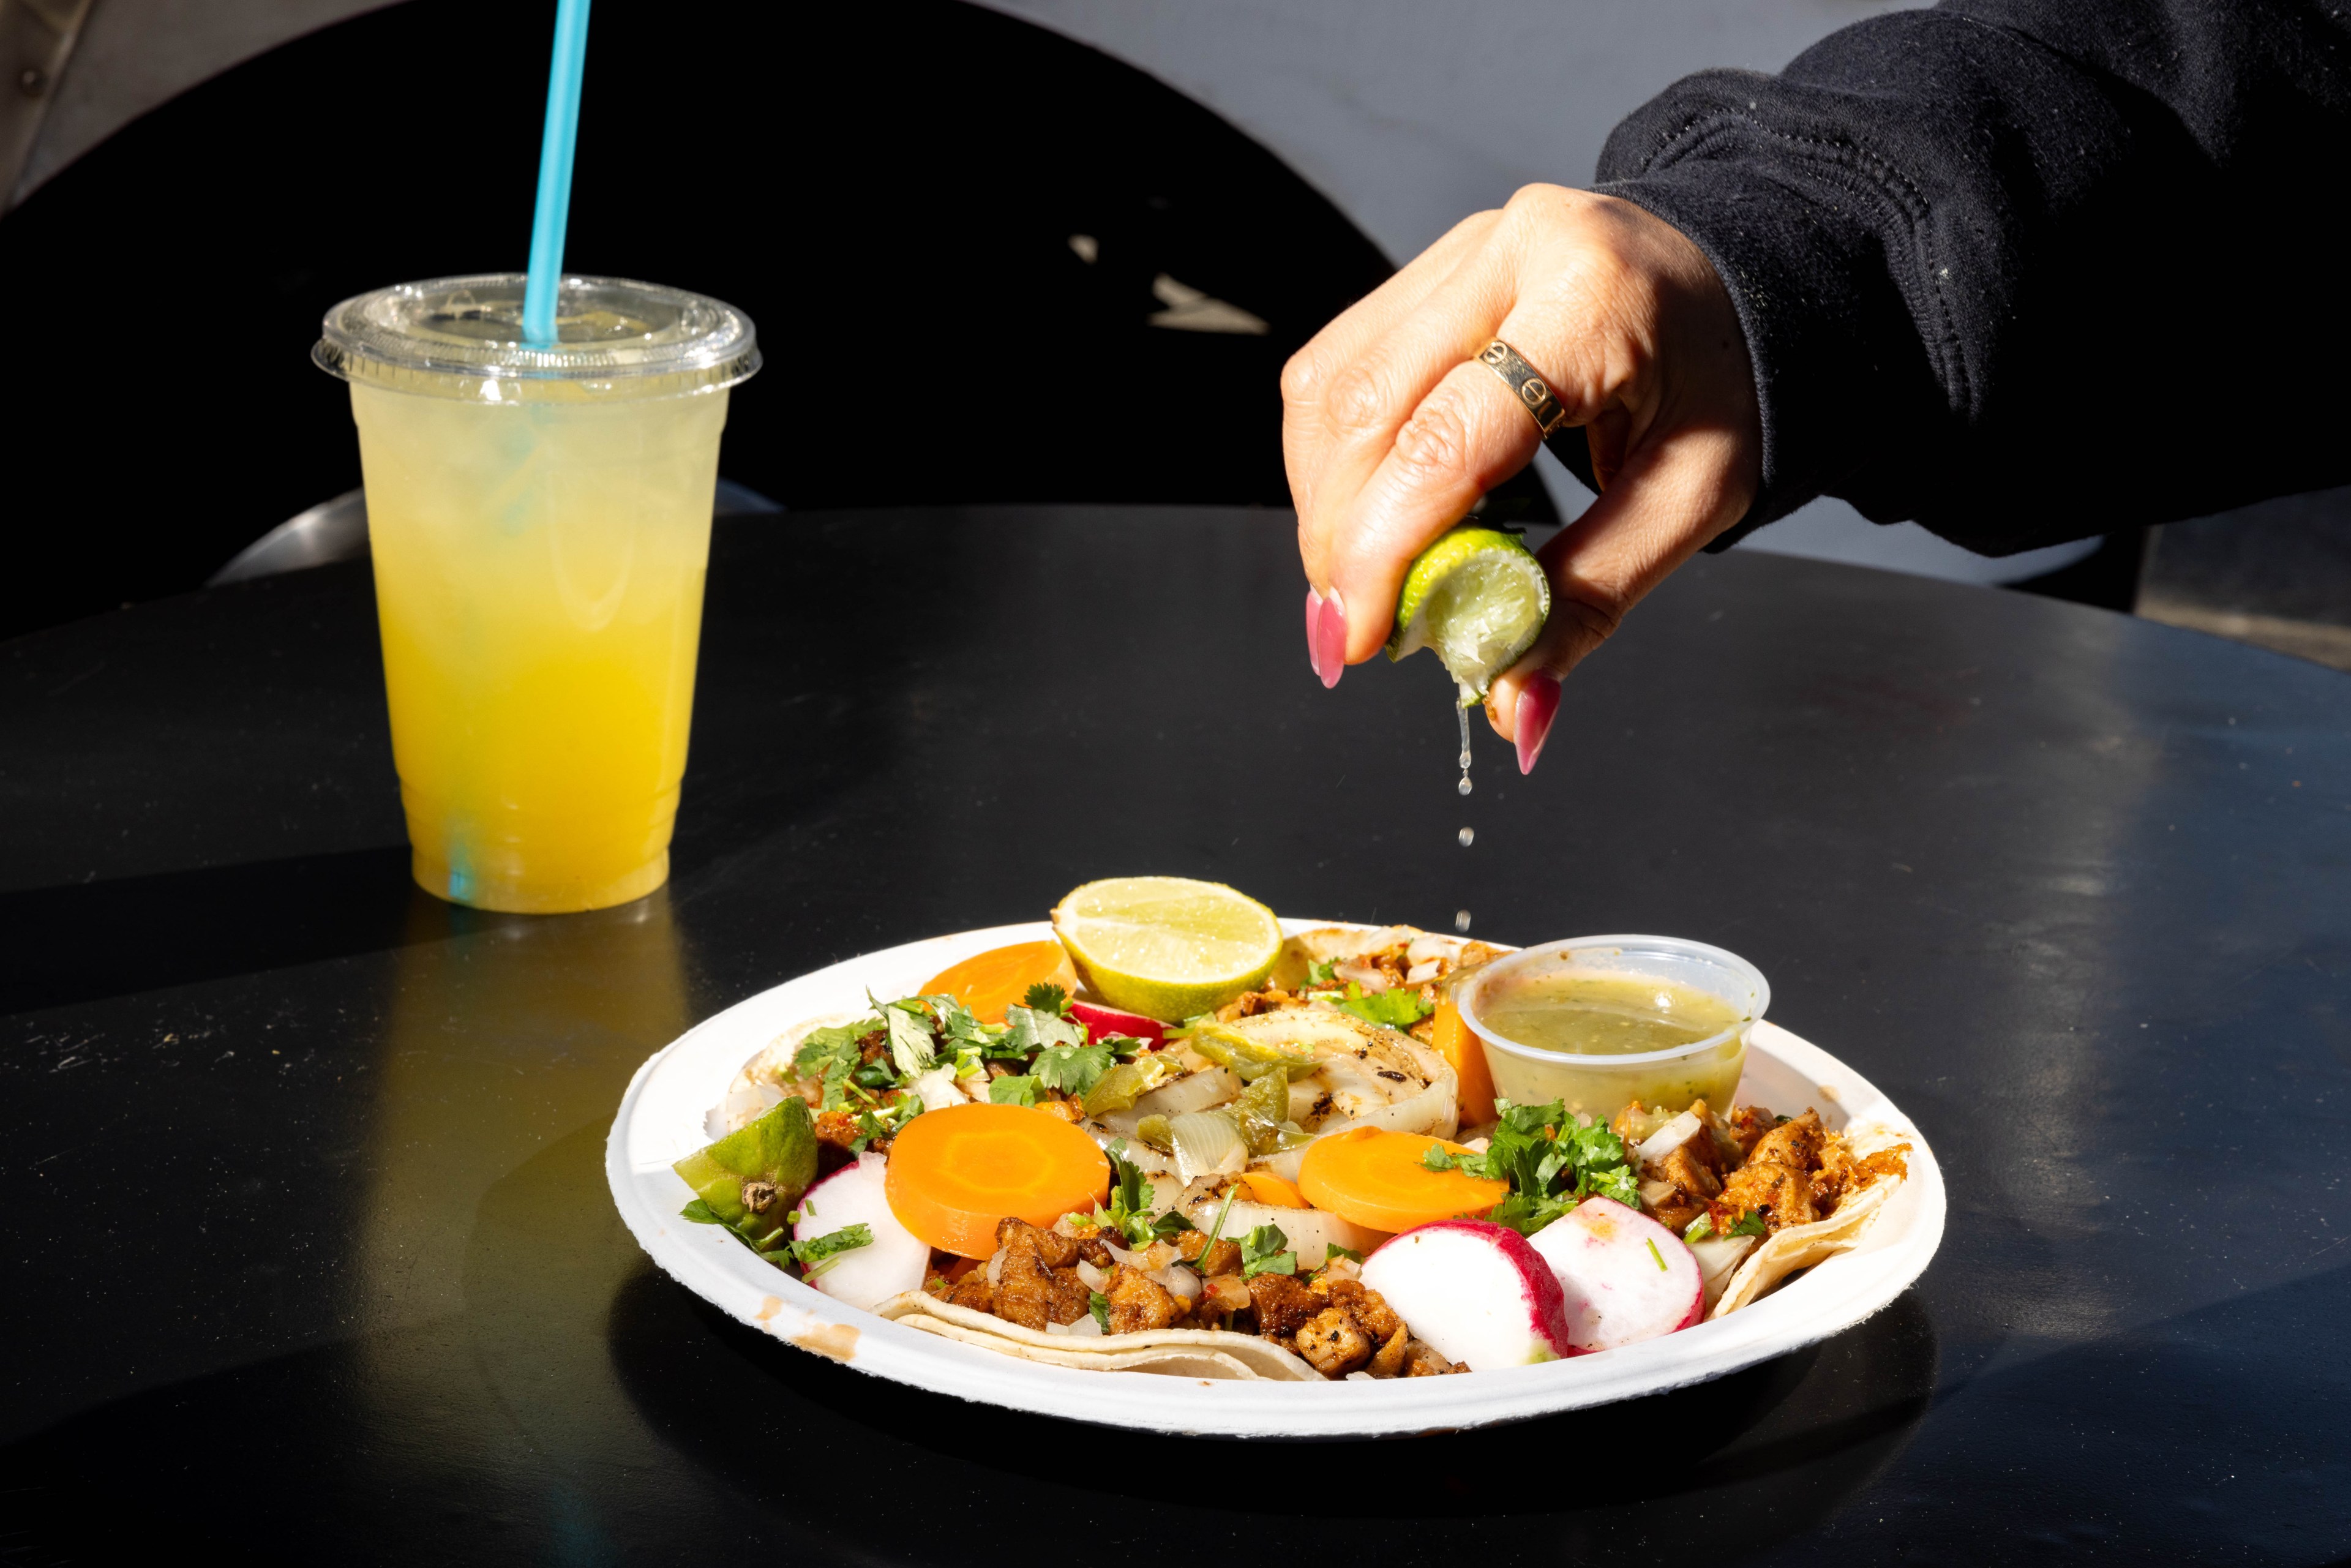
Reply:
x=95, y=940
x=101, y=939
x=1777, y=1447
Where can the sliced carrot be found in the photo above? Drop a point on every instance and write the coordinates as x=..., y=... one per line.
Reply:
x=1466, y=1053
x=1374, y=1177
x=989, y=982
x=1272, y=1191
x=956, y=1173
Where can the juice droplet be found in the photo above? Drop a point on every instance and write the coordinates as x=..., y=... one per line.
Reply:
x=1468, y=837
x=1465, y=784
x=1461, y=920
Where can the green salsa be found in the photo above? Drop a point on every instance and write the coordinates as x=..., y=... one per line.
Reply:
x=1603, y=1015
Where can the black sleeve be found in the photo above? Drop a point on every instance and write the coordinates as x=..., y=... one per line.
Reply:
x=2025, y=270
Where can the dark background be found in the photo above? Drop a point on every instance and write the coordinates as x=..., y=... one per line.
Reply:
x=889, y=191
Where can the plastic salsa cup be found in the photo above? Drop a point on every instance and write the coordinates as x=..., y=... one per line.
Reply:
x=1601, y=1085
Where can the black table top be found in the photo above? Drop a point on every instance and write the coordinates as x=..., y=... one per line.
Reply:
x=301, y=1197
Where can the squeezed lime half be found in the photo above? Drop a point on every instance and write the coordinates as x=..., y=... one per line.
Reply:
x=1478, y=598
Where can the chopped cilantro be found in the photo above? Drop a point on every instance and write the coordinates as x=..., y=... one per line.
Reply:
x=1071, y=1068
x=1123, y=1044
x=1320, y=974
x=1029, y=1029
x=1099, y=1304
x=1049, y=999
x=1750, y=1223
x=1129, y=1212
x=1397, y=1008
x=962, y=1033
x=888, y=1122
x=1699, y=1229
x=1266, y=1251
x=1013, y=1089
x=816, y=1255
x=832, y=1055
x=907, y=1024
x=1335, y=1250
x=699, y=1212
x=1549, y=1160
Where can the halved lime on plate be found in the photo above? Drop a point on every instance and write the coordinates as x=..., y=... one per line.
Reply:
x=1167, y=946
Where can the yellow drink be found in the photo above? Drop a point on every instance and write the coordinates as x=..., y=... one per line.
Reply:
x=539, y=572
x=540, y=541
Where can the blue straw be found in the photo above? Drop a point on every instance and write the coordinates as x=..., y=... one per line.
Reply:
x=554, y=209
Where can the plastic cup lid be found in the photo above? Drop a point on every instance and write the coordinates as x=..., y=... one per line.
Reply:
x=461, y=337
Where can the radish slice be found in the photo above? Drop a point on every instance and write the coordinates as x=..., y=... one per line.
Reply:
x=1478, y=1292
x=1100, y=1020
x=1625, y=1277
x=864, y=1276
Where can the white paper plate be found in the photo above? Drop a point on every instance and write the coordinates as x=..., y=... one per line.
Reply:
x=661, y=1119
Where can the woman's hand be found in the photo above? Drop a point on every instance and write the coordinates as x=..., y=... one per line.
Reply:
x=1392, y=430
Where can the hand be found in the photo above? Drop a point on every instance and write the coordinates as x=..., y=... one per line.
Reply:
x=1392, y=430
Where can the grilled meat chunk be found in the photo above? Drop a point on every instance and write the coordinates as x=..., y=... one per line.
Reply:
x=1333, y=1342
x=1366, y=1306
x=1388, y=1361
x=1139, y=1303
x=1778, y=1176
x=1748, y=1123
x=1224, y=1258
x=1035, y=1284
x=1282, y=1304
x=1051, y=1247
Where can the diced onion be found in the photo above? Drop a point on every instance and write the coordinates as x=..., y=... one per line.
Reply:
x=1668, y=1138
x=1206, y=1142
x=1428, y=945
x=1085, y=1328
x=1094, y=1278
x=1311, y=1232
x=1178, y=1280
x=936, y=1089
x=1371, y=976
x=1654, y=1193
x=996, y=1269
x=1422, y=973
x=1718, y=1256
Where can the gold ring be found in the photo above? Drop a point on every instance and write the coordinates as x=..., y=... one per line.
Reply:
x=1525, y=383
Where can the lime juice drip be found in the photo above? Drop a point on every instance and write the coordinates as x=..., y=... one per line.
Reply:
x=1468, y=835
x=1463, y=715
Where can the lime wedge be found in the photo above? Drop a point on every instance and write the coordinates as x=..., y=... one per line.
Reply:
x=1166, y=946
x=1479, y=599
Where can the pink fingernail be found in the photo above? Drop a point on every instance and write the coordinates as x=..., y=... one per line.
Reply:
x=1538, y=706
x=1314, y=629
x=1327, y=638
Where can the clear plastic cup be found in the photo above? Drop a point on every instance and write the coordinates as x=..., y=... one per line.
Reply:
x=539, y=519
x=1602, y=1085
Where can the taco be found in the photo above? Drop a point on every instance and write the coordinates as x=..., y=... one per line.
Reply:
x=1206, y=1258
